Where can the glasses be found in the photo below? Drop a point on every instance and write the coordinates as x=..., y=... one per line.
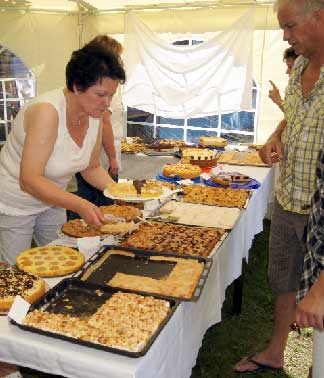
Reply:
x=295, y=327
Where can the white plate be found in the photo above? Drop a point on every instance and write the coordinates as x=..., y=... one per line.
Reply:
x=166, y=192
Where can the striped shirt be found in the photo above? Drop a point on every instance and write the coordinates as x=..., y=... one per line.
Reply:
x=314, y=258
x=302, y=138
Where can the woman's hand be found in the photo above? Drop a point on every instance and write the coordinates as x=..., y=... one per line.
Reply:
x=90, y=213
x=113, y=167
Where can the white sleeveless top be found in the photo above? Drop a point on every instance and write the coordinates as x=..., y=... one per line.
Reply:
x=66, y=159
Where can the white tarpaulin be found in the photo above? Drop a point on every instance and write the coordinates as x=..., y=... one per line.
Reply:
x=187, y=81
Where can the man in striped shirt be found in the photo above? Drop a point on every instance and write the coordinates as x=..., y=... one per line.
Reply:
x=296, y=144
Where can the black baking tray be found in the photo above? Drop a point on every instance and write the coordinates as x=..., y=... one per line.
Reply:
x=77, y=298
x=251, y=191
x=140, y=265
x=166, y=252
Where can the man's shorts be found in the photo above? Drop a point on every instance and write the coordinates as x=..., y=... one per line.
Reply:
x=286, y=249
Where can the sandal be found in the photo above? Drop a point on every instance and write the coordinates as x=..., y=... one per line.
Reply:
x=259, y=366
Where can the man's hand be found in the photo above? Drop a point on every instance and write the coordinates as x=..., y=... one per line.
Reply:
x=272, y=151
x=310, y=311
x=274, y=94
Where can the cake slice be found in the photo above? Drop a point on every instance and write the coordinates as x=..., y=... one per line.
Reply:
x=122, y=189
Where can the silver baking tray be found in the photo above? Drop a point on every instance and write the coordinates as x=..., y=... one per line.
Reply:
x=77, y=298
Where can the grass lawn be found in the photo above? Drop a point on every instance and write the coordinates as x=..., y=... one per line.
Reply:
x=237, y=336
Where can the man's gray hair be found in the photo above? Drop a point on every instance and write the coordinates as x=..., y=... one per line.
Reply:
x=306, y=5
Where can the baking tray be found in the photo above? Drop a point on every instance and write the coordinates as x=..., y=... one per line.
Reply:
x=182, y=196
x=167, y=252
x=238, y=159
x=140, y=265
x=156, y=215
x=84, y=299
x=212, y=252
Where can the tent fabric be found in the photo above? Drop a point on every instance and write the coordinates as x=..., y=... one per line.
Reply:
x=187, y=81
x=44, y=42
x=193, y=21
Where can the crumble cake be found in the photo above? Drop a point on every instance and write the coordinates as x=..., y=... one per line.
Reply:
x=125, y=321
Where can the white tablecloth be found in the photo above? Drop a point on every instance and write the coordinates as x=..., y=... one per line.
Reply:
x=174, y=352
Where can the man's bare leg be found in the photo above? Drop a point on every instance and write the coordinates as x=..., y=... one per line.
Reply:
x=273, y=355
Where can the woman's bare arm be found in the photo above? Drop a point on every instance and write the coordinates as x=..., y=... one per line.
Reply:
x=41, y=127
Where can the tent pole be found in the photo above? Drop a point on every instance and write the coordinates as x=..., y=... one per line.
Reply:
x=87, y=8
x=80, y=24
x=202, y=4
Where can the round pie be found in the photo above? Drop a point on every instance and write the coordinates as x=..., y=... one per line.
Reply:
x=50, y=260
x=77, y=228
x=14, y=282
x=129, y=213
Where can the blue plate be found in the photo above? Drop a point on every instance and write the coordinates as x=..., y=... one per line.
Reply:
x=253, y=184
x=220, y=149
x=175, y=179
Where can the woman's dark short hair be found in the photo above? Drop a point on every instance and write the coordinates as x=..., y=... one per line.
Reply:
x=91, y=64
x=289, y=53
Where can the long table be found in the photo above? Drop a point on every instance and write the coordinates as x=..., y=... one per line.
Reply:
x=174, y=352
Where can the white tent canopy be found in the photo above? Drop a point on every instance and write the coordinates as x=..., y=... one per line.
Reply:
x=120, y=5
x=43, y=33
x=173, y=81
